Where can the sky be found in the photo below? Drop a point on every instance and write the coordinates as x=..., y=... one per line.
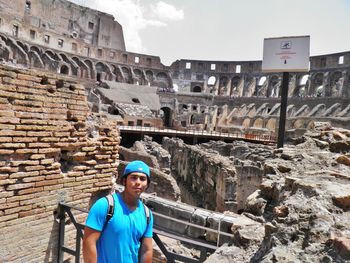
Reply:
x=226, y=30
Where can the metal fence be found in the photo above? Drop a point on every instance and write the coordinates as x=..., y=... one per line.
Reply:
x=203, y=246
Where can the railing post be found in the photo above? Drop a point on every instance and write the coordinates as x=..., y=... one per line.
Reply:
x=78, y=246
x=169, y=257
x=61, y=226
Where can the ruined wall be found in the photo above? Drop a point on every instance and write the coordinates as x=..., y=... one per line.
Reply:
x=212, y=180
x=61, y=20
x=50, y=151
x=328, y=77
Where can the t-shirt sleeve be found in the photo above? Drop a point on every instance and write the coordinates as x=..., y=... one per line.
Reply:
x=97, y=215
x=149, y=229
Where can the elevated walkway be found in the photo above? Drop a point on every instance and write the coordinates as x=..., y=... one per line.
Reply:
x=196, y=135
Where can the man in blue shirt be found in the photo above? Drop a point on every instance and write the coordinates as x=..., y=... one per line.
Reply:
x=126, y=237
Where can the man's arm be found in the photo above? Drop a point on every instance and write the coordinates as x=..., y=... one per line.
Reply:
x=89, y=245
x=146, y=252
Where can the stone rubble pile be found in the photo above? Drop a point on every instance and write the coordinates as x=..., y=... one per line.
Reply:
x=304, y=201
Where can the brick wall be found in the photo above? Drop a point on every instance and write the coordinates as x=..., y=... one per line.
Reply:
x=51, y=150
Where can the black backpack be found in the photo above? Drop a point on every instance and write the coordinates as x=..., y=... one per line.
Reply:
x=110, y=212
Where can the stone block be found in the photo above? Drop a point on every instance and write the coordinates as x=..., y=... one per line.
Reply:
x=19, y=186
x=26, y=151
x=34, y=168
x=10, y=120
x=12, y=133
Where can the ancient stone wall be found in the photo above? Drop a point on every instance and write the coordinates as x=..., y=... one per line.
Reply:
x=328, y=77
x=61, y=25
x=51, y=150
x=212, y=180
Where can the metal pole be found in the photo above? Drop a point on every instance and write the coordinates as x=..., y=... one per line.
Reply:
x=284, y=102
x=61, y=217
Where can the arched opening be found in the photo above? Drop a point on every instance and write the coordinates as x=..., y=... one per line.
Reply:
x=91, y=69
x=262, y=81
x=167, y=116
x=197, y=89
x=336, y=84
x=127, y=75
x=149, y=77
x=273, y=89
x=258, y=123
x=98, y=76
x=223, y=86
x=234, y=86
x=193, y=119
x=316, y=84
x=64, y=70
x=211, y=81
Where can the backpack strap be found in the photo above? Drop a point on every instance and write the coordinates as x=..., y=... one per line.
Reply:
x=147, y=213
x=110, y=211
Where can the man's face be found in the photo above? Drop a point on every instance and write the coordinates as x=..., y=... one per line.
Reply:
x=136, y=183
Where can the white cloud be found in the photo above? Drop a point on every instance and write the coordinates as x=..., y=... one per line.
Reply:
x=135, y=17
x=166, y=11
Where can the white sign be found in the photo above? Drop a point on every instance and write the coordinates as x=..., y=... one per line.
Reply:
x=286, y=54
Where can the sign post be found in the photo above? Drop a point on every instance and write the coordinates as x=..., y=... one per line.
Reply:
x=285, y=54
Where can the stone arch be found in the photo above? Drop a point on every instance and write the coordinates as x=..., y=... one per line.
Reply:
x=118, y=74
x=24, y=46
x=150, y=76
x=316, y=83
x=73, y=66
x=127, y=75
x=90, y=66
x=139, y=77
x=235, y=86
x=163, y=81
x=101, y=71
x=197, y=89
x=299, y=124
x=51, y=60
x=336, y=84
x=167, y=116
x=273, y=86
x=223, y=81
x=83, y=68
x=50, y=54
x=246, y=123
x=211, y=80
x=18, y=54
x=258, y=123
x=249, y=87
x=211, y=83
x=64, y=70
x=36, y=49
x=53, y=55
x=35, y=58
x=162, y=76
x=192, y=119
x=271, y=124
x=5, y=51
x=301, y=87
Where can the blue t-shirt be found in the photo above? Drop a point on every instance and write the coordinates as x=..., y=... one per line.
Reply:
x=120, y=240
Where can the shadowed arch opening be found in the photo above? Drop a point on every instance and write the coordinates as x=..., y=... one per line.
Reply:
x=64, y=70
x=197, y=89
x=167, y=116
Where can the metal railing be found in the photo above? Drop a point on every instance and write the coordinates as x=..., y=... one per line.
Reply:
x=203, y=246
x=268, y=138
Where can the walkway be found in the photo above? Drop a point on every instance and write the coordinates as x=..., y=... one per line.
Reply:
x=261, y=138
